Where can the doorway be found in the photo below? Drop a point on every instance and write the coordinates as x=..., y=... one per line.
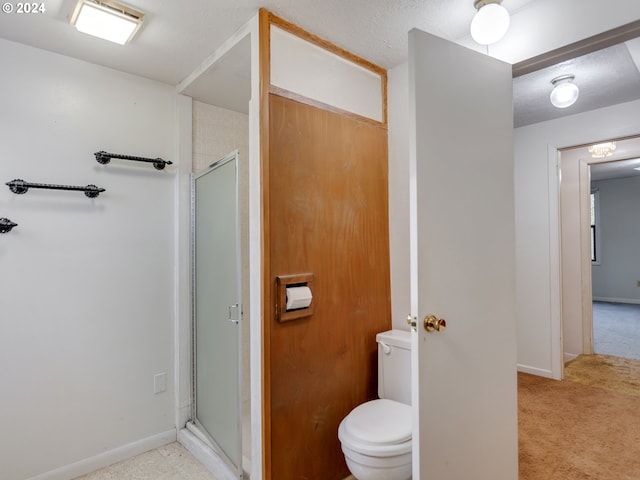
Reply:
x=615, y=226
x=583, y=277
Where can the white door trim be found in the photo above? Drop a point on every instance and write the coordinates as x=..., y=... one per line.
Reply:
x=555, y=267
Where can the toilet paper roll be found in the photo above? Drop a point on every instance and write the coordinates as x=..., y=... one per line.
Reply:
x=298, y=297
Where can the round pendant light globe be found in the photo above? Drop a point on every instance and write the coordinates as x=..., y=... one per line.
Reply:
x=490, y=24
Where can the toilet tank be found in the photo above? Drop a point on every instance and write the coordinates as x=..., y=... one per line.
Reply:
x=394, y=365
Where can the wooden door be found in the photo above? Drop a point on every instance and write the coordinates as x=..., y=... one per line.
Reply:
x=328, y=215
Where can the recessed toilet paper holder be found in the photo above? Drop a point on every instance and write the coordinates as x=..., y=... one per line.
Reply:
x=300, y=285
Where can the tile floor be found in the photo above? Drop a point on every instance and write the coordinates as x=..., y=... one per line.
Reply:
x=171, y=462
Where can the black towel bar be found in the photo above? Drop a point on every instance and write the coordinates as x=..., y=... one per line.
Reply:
x=20, y=186
x=103, y=158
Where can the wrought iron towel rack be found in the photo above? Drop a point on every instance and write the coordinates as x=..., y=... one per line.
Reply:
x=103, y=158
x=6, y=225
x=20, y=186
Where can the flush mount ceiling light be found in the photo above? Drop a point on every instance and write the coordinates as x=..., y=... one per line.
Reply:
x=106, y=19
x=602, y=150
x=490, y=23
x=564, y=93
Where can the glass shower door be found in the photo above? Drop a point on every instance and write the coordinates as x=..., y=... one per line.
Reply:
x=217, y=309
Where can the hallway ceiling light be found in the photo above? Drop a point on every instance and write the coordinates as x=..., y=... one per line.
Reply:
x=564, y=93
x=106, y=19
x=602, y=150
x=490, y=23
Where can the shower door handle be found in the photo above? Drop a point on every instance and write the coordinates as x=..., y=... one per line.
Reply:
x=234, y=313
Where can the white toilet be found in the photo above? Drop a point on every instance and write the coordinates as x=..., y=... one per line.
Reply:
x=376, y=436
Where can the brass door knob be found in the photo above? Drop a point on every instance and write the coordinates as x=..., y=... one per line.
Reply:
x=433, y=323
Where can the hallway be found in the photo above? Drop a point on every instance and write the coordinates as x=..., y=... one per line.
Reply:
x=616, y=329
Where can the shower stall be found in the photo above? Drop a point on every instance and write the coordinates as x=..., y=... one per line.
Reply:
x=217, y=311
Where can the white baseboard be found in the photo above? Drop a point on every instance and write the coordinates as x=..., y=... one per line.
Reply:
x=535, y=371
x=205, y=455
x=617, y=300
x=110, y=457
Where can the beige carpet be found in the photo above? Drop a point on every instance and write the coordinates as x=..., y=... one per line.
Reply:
x=604, y=371
x=584, y=428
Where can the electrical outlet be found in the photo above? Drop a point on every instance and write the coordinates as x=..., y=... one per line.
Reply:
x=159, y=383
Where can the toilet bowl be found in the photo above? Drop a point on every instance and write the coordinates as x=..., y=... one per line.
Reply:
x=376, y=440
x=376, y=436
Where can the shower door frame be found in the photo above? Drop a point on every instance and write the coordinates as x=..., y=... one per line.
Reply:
x=194, y=425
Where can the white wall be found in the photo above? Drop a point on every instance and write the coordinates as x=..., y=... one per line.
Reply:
x=312, y=71
x=537, y=243
x=619, y=269
x=87, y=285
x=398, y=108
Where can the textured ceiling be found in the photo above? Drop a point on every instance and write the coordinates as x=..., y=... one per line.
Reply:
x=179, y=34
x=606, y=77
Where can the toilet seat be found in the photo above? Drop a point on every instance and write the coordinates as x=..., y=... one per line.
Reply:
x=378, y=428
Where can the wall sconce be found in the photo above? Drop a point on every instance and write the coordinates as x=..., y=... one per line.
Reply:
x=602, y=150
x=564, y=93
x=490, y=23
x=106, y=19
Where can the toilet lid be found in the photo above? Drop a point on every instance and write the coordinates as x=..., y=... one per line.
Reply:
x=380, y=421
